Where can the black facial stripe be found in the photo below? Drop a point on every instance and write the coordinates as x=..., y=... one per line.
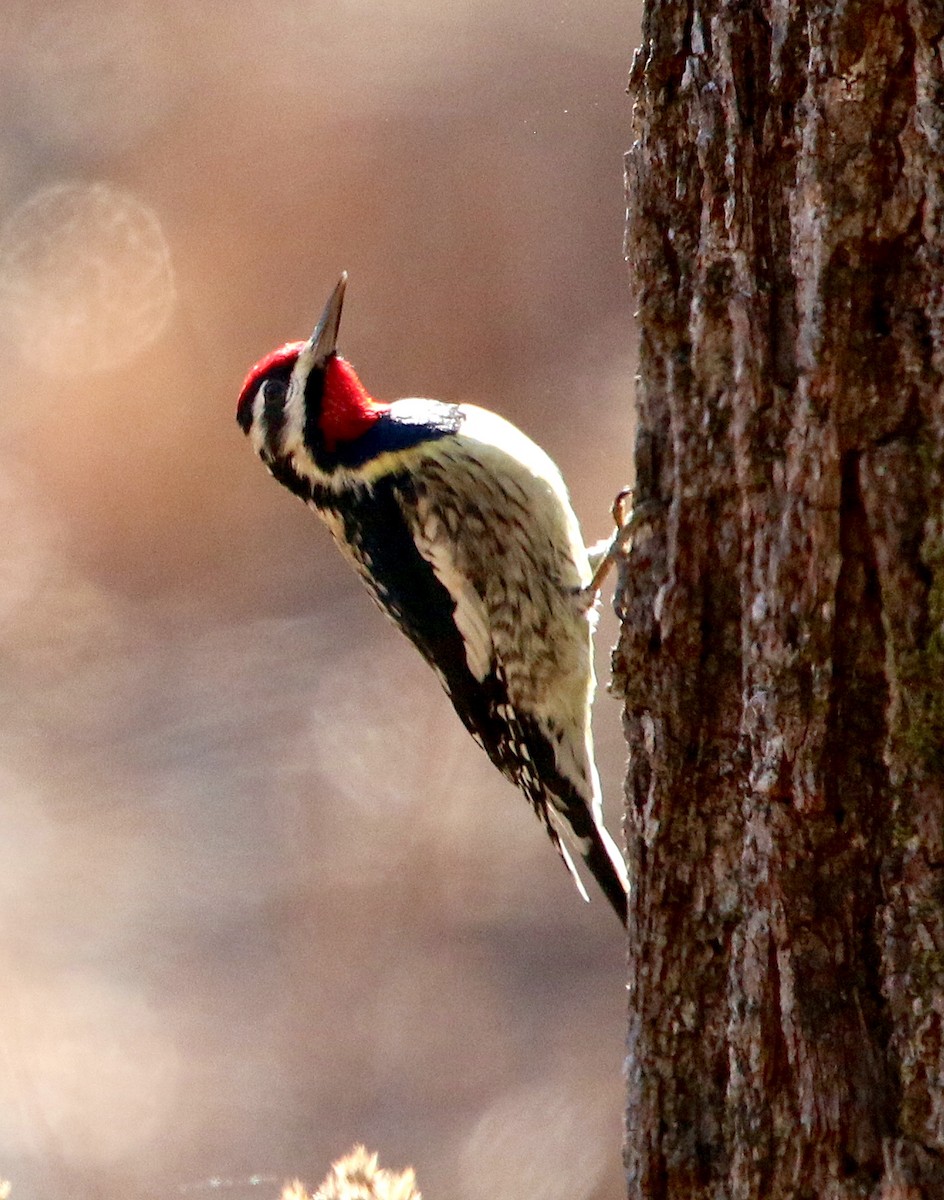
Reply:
x=282, y=470
x=274, y=391
x=244, y=414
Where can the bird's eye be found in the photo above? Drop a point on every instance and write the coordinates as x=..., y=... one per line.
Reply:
x=273, y=391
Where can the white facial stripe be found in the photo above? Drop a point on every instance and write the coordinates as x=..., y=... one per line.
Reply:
x=257, y=428
x=293, y=426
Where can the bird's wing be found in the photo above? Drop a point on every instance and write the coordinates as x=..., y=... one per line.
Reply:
x=425, y=600
x=430, y=600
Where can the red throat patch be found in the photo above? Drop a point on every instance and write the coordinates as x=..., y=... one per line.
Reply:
x=347, y=411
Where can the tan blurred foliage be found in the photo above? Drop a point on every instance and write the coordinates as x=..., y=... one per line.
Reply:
x=255, y=879
x=358, y=1177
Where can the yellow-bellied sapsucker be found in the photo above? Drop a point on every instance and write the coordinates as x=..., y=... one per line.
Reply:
x=463, y=531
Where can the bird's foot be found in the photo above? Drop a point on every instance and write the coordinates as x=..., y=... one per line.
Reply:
x=604, y=554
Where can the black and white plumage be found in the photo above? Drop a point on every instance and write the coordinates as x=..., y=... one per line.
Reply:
x=462, y=529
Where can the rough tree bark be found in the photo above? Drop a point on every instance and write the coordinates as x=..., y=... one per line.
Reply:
x=782, y=650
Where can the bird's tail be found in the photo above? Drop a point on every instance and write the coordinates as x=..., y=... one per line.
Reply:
x=582, y=832
x=605, y=864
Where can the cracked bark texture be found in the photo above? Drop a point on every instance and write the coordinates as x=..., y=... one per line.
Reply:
x=782, y=650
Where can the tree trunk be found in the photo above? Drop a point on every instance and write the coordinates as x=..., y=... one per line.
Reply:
x=782, y=650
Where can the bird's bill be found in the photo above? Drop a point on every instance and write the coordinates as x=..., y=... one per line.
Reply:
x=323, y=342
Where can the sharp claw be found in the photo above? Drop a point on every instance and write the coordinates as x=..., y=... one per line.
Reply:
x=625, y=526
x=619, y=506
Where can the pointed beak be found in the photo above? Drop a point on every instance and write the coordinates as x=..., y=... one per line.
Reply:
x=323, y=342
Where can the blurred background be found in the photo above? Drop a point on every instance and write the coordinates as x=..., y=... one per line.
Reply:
x=260, y=895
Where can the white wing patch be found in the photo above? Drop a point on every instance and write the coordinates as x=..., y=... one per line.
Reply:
x=471, y=616
x=565, y=839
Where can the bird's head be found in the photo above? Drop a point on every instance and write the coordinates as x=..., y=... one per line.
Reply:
x=303, y=404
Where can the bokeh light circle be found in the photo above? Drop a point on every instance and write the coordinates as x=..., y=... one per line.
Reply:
x=85, y=278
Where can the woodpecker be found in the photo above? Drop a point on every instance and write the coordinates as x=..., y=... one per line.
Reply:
x=463, y=531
